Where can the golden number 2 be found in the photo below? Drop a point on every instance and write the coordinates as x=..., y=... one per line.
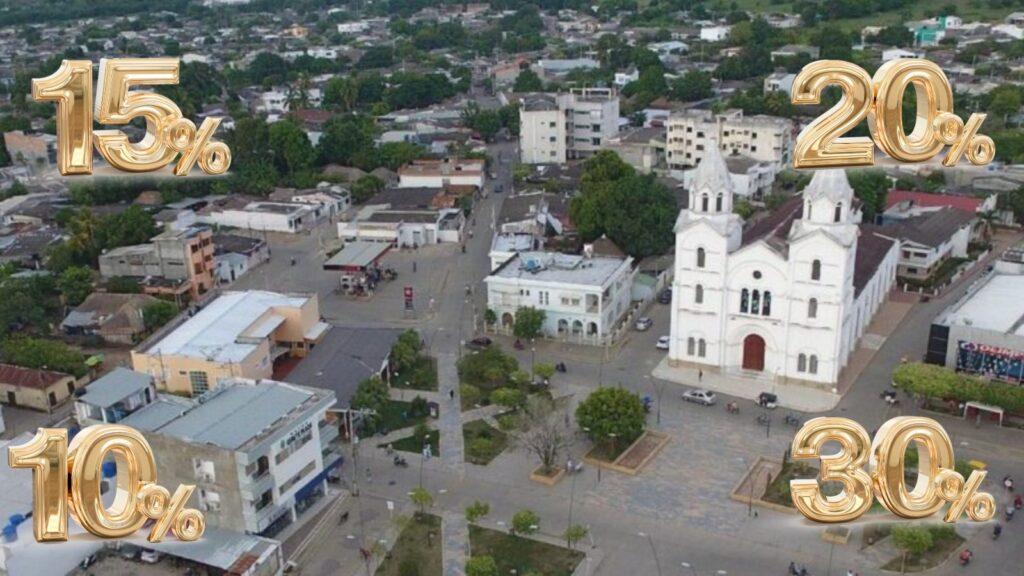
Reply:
x=845, y=466
x=71, y=88
x=819, y=143
x=46, y=454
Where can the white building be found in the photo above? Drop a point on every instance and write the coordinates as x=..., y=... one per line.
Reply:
x=750, y=179
x=691, y=133
x=379, y=223
x=264, y=216
x=442, y=173
x=715, y=33
x=584, y=297
x=572, y=125
x=786, y=299
x=779, y=82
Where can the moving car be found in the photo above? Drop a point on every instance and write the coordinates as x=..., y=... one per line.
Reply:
x=662, y=343
x=700, y=396
x=643, y=323
x=479, y=343
x=665, y=296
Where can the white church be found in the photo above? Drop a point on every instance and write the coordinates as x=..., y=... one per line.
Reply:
x=783, y=300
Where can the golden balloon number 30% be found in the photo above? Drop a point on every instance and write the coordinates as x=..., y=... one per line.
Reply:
x=868, y=470
x=879, y=98
x=168, y=134
x=137, y=498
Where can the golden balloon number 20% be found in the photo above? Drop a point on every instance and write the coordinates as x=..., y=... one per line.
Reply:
x=868, y=470
x=879, y=98
x=168, y=134
x=137, y=498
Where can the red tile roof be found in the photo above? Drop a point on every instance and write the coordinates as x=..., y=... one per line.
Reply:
x=926, y=200
x=29, y=377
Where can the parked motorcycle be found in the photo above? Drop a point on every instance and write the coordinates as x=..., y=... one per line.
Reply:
x=400, y=462
x=763, y=419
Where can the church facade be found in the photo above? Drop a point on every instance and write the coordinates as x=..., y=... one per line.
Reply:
x=786, y=298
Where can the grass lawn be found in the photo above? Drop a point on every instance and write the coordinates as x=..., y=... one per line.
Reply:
x=415, y=445
x=422, y=375
x=945, y=541
x=483, y=442
x=522, y=554
x=415, y=547
x=395, y=416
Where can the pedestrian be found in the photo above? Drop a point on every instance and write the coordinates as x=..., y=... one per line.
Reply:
x=792, y=569
x=451, y=393
x=700, y=376
x=1008, y=482
x=850, y=573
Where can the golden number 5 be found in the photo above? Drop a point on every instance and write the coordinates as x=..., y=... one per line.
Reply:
x=845, y=466
x=819, y=143
x=117, y=105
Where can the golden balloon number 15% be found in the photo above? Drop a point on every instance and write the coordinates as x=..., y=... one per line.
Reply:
x=879, y=98
x=69, y=478
x=868, y=470
x=168, y=134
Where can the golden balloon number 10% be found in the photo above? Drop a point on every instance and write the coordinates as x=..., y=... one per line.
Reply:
x=69, y=478
x=868, y=470
x=879, y=98
x=168, y=134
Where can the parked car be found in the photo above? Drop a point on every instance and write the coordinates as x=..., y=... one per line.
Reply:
x=150, y=556
x=643, y=323
x=479, y=343
x=665, y=296
x=492, y=175
x=700, y=396
x=662, y=343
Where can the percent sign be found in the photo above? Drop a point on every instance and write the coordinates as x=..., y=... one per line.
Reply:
x=964, y=138
x=169, y=512
x=963, y=496
x=196, y=146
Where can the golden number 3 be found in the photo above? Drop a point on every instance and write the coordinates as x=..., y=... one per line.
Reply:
x=819, y=143
x=845, y=466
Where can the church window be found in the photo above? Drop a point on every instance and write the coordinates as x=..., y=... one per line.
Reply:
x=801, y=362
x=718, y=203
x=816, y=270
x=812, y=364
x=698, y=294
x=755, y=302
x=701, y=257
x=839, y=213
x=690, y=345
x=702, y=348
x=744, y=301
x=766, y=306
x=704, y=202
x=812, y=308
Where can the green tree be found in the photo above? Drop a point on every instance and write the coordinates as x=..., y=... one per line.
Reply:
x=292, y=151
x=42, y=353
x=490, y=317
x=612, y=415
x=344, y=137
x=525, y=522
x=481, y=566
x=476, y=511
x=371, y=394
x=489, y=368
x=511, y=398
x=529, y=322
x=406, y=349
x=422, y=498
x=544, y=370
x=159, y=313
x=573, y=534
x=486, y=122
x=366, y=187
x=894, y=35
x=833, y=43
x=911, y=539
x=693, y=86
x=268, y=68
x=75, y=283
x=341, y=93
x=527, y=81
x=871, y=187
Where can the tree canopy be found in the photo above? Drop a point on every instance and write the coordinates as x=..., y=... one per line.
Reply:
x=613, y=415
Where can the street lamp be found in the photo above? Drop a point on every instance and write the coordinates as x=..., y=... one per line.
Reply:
x=689, y=567
x=654, y=551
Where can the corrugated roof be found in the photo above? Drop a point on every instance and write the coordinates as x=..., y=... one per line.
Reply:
x=924, y=199
x=115, y=386
x=930, y=229
x=29, y=377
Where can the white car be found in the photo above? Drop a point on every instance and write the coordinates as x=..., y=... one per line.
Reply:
x=150, y=556
x=700, y=396
x=643, y=323
x=662, y=343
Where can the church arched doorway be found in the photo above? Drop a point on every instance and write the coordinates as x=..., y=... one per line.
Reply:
x=753, y=353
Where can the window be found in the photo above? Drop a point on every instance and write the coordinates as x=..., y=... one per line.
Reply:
x=718, y=203
x=766, y=307
x=812, y=365
x=698, y=294
x=755, y=302
x=701, y=257
x=704, y=202
x=801, y=363
x=744, y=301
x=816, y=270
x=690, y=345
x=839, y=213
x=702, y=348
x=199, y=382
x=812, y=308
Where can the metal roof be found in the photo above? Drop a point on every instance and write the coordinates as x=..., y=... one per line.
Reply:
x=344, y=358
x=115, y=386
x=359, y=253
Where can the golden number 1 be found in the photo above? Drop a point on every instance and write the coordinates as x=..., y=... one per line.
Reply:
x=71, y=88
x=46, y=454
x=845, y=466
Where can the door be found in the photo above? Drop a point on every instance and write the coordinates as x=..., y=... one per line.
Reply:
x=753, y=353
x=12, y=399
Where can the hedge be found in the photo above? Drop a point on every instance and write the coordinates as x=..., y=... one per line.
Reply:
x=938, y=382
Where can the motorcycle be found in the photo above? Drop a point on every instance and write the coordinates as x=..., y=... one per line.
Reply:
x=763, y=419
x=518, y=344
x=792, y=420
x=997, y=531
x=400, y=462
x=965, y=557
x=560, y=367
x=732, y=408
x=1018, y=502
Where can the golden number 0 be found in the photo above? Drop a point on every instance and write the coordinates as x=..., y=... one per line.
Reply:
x=845, y=466
x=819, y=143
x=935, y=451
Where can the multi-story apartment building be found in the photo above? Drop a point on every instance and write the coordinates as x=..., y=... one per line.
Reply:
x=584, y=298
x=760, y=137
x=258, y=451
x=175, y=262
x=237, y=335
x=571, y=125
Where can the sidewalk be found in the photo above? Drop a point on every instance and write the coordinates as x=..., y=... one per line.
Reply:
x=455, y=533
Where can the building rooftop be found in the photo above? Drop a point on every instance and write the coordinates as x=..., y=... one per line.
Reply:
x=560, y=268
x=930, y=229
x=357, y=254
x=996, y=305
x=29, y=377
x=115, y=386
x=926, y=200
x=213, y=333
x=344, y=358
